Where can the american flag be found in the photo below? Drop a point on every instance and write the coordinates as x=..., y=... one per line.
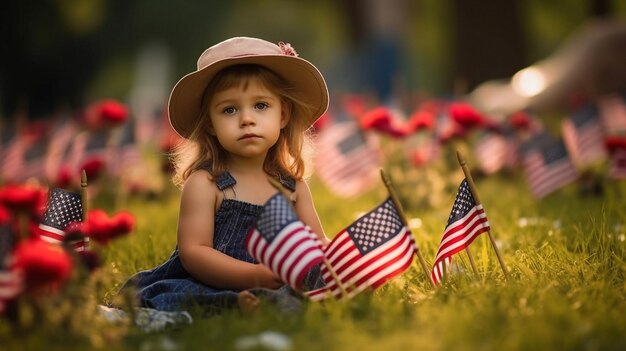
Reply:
x=280, y=241
x=613, y=113
x=346, y=159
x=11, y=283
x=13, y=157
x=63, y=208
x=547, y=164
x=373, y=249
x=583, y=135
x=34, y=158
x=617, y=168
x=59, y=148
x=495, y=151
x=128, y=154
x=467, y=220
x=88, y=145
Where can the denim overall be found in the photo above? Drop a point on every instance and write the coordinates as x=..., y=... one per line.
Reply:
x=169, y=287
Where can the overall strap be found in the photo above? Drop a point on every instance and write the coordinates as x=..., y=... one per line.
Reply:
x=225, y=181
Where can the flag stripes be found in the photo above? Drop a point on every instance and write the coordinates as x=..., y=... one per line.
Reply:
x=291, y=255
x=372, y=250
x=545, y=178
x=467, y=220
x=345, y=159
x=357, y=273
x=457, y=237
x=583, y=135
x=283, y=243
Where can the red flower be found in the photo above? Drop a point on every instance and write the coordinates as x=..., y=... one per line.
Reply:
x=43, y=264
x=23, y=198
x=519, y=120
x=93, y=167
x=5, y=216
x=112, y=112
x=614, y=143
x=382, y=120
x=102, y=228
x=105, y=113
x=420, y=119
x=287, y=49
x=465, y=114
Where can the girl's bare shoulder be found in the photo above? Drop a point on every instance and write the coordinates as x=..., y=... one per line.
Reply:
x=199, y=184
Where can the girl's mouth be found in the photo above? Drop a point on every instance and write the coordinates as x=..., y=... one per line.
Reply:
x=248, y=136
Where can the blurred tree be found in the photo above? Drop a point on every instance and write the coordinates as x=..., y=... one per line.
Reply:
x=489, y=41
x=50, y=51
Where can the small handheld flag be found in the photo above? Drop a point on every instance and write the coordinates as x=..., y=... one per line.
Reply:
x=63, y=208
x=367, y=253
x=283, y=243
x=467, y=220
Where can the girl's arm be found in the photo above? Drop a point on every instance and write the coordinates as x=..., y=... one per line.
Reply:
x=195, y=242
x=306, y=211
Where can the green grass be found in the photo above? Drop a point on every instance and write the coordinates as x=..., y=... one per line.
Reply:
x=566, y=289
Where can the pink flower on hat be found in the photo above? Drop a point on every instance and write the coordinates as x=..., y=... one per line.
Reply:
x=287, y=49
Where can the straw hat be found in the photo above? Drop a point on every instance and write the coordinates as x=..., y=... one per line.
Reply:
x=186, y=97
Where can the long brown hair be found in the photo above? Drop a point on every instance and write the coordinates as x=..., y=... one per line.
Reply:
x=287, y=157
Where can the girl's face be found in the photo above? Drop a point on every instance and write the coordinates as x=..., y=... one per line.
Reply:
x=247, y=119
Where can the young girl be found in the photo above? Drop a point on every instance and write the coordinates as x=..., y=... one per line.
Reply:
x=243, y=116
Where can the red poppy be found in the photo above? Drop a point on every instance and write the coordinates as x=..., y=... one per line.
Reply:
x=614, y=143
x=465, y=114
x=421, y=119
x=381, y=119
x=25, y=198
x=44, y=265
x=519, y=120
x=5, y=216
x=105, y=113
x=102, y=228
x=93, y=167
x=112, y=112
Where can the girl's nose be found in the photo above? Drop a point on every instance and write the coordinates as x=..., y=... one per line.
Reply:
x=247, y=118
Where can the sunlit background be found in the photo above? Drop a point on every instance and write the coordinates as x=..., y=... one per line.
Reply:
x=65, y=54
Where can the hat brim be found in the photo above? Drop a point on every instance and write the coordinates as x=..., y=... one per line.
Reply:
x=185, y=102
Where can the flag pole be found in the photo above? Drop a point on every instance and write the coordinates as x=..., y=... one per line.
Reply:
x=85, y=202
x=470, y=182
x=396, y=202
x=83, y=191
x=283, y=191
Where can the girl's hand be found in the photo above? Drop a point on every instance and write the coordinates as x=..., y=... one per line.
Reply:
x=266, y=278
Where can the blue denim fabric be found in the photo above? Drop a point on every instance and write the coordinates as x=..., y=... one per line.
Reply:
x=169, y=287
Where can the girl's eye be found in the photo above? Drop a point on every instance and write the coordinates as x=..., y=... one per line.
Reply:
x=261, y=106
x=229, y=110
